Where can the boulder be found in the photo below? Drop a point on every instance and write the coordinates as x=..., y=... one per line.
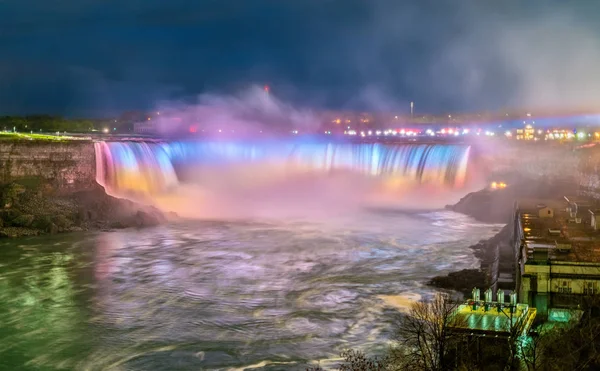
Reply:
x=9, y=215
x=24, y=220
x=62, y=221
x=147, y=219
x=9, y=195
x=42, y=223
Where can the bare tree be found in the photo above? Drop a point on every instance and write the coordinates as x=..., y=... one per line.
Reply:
x=355, y=360
x=424, y=337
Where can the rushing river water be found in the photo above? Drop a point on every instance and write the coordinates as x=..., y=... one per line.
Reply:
x=220, y=295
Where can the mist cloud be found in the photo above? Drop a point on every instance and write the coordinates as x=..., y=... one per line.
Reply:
x=251, y=111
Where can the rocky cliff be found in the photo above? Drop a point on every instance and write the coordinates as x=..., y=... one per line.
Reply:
x=67, y=166
x=50, y=187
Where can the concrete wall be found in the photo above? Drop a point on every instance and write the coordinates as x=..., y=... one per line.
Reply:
x=69, y=166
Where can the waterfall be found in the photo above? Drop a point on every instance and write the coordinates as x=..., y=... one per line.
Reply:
x=148, y=168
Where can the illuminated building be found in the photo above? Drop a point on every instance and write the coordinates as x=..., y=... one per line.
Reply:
x=527, y=133
x=557, y=253
x=491, y=318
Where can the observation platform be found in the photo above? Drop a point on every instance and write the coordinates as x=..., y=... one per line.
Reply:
x=493, y=319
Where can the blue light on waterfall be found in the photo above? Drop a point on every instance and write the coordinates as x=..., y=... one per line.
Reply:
x=150, y=167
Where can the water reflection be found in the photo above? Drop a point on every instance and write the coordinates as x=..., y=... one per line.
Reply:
x=219, y=295
x=41, y=312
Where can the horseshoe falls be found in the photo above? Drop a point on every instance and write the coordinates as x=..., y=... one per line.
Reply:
x=152, y=168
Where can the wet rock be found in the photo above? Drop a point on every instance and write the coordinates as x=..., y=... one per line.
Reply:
x=38, y=210
x=24, y=220
x=462, y=281
x=62, y=222
x=118, y=225
x=147, y=219
x=91, y=215
x=9, y=194
x=14, y=232
x=42, y=223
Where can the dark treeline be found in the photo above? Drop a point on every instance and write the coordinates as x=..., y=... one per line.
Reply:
x=49, y=123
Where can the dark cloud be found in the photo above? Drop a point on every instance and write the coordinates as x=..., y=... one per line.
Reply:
x=91, y=55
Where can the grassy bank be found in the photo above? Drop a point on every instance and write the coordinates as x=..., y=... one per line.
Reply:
x=11, y=136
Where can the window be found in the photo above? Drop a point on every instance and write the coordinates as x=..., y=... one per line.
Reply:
x=549, y=212
x=588, y=288
x=564, y=287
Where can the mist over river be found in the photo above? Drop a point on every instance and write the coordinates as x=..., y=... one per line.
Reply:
x=222, y=295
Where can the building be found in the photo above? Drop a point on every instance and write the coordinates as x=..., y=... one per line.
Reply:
x=594, y=219
x=527, y=133
x=558, y=254
x=489, y=318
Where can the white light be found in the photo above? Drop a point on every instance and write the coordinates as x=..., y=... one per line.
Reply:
x=378, y=132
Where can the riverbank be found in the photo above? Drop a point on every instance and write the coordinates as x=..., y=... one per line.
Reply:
x=496, y=206
x=31, y=207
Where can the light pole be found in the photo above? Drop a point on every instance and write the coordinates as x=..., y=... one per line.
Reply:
x=412, y=109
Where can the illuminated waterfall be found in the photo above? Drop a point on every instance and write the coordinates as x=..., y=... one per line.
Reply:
x=150, y=167
x=133, y=167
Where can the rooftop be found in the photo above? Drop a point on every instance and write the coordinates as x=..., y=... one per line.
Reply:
x=495, y=319
x=532, y=205
x=563, y=238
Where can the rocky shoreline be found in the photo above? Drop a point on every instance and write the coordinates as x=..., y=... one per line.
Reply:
x=496, y=207
x=32, y=208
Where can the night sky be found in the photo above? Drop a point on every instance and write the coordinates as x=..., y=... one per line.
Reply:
x=97, y=58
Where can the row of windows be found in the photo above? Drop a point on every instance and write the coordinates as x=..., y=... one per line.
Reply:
x=589, y=288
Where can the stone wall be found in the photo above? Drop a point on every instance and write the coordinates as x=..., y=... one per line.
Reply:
x=69, y=166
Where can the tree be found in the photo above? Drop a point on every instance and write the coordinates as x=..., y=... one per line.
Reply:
x=357, y=361
x=424, y=337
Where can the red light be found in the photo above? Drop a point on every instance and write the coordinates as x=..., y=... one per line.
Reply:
x=267, y=88
x=193, y=129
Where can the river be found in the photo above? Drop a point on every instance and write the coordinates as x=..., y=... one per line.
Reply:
x=224, y=295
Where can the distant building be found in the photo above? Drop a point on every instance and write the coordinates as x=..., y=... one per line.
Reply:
x=527, y=133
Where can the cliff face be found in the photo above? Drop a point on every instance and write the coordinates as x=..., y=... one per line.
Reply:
x=67, y=166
